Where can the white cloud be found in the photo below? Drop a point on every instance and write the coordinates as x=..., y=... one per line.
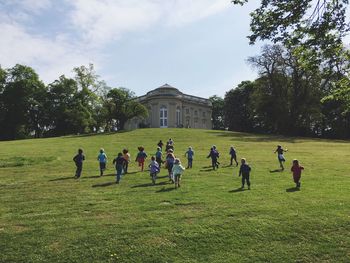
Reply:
x=50, y=57
x=105, y=20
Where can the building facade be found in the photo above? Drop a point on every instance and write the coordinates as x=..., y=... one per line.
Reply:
x=169, y=108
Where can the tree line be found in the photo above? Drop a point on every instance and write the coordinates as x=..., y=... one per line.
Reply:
x=82, y=104
x=303, y=86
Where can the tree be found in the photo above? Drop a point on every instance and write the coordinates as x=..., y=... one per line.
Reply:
x=217, y=112
x=122, y=105
x=238, y=111
x=23, y=97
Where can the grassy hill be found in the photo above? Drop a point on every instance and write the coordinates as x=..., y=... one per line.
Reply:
x=47, y=216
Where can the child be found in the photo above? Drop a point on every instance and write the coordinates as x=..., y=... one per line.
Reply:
x=119, y=164
x=102, y=159
x=233, y=155
x=177, y=171
x=244, y=170
x=170, y=159
x=296, y=169
x=160, y=144
x=126, y=156
x=154, y=169
x=214, y=155
x=78, y=159
x=280, y=156
x=141, y=156
x=159, y=155
x=190, y=154
x=169, y=145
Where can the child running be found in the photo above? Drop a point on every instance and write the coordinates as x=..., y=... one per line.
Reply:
x=119, y=164
x=141, y=157
x=296, y=169
x=170, y=159
x=280, y=155
x=177, y=170
x=126, y=156
x=159, y=155
x=189, y=154
x=79, y=159
x=233, y=155
x=244, y=170
x=102, y=159
x=160, y=144
x=214, y=155
x=154, y=169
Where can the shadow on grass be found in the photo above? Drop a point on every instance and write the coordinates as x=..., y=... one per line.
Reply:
x=103, y=184
x=237, y=190
x=292, y=189
x=148, y=184
x=131, y=173
x=164, y=190
x=276, y=171
x=62, y=178
x=164, y=176
x=206, y=170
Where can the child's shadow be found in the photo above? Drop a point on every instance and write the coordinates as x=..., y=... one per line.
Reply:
x=103, y=184
x=206, y=170
x=148, y=184
x=292, y=189
x=276, y=171
x=237, y=190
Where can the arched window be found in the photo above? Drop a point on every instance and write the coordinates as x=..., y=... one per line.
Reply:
x=178, y=117
x=163, y=114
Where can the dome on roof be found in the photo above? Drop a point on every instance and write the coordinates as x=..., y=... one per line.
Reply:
x=166, y=85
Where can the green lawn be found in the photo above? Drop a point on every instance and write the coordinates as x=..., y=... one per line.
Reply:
x=47, y=216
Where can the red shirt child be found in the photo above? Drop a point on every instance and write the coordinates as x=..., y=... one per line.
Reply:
x=296, y=169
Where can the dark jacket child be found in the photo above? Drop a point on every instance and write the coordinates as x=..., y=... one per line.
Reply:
x=119, y=164
x=153, y=169
x=141, y=157
x=79, y=159
x=280, y=155
x=170, y=159
x=214, y=155
x=244, y=170
x=126, y=156
x=296, y=169
x=102, y=159
x=233, y=155
x=189, y=154
x=160, y=144
x=159, y=155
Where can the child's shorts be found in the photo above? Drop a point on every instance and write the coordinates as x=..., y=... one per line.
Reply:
x=281, y=158
x=102, y=166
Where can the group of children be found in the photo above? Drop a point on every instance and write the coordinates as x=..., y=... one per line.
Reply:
x=174, y=166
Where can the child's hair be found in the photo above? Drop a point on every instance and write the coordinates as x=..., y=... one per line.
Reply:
x=80, y=151
x=158, y=148
x=214, y=147
x=243, y=160
x=153, y=158
x=125, y=151
x=296, y=162
x=190, y=147
x=177, y=161
x=102, y=150
x=141, y=149
x=170, y=151
x=120, y=154
x=279, y=146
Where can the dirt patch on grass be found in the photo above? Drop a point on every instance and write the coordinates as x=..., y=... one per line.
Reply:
x=19, y=228
x=161, y=242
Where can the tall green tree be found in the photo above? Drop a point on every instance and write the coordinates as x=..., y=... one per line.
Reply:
x=217, y=116
x=123, y=106
x=23, y=97
x=238, y=109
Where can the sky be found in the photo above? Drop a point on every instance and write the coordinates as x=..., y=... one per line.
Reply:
x=197, y=46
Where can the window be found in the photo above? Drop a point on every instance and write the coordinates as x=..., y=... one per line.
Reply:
x=187, y=111
x=203, y=113
x=163, y=114
x=195, y=113
x=178, y=117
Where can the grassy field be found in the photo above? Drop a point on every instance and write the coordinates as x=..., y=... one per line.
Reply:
x=47, y=216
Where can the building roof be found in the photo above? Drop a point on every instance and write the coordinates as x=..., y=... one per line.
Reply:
x=167, y=90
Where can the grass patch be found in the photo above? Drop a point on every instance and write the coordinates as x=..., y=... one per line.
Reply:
x=48, y=216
